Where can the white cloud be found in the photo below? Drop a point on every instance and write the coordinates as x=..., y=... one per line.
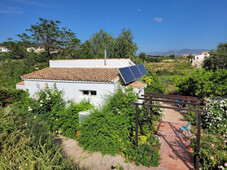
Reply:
x=26, y=2
x=138, y=10
x=158, y=19
x=6, y=9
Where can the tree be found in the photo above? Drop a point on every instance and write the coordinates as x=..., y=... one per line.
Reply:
x=56, y=41
x=190, y=57
x=142, y=55
x=85, y=50
x=17, y=49
x=217, y=59
x=101, y=41
x=124, y=45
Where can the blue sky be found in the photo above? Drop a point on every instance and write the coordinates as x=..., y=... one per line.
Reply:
x=157, y=25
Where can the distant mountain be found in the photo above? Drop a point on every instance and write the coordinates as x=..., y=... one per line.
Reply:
x=178, y=52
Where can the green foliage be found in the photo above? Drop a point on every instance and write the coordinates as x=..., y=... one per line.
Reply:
x=11, y=70
x=215, y=118
x=217, y=59
x=107, y=129
x=120, y=47
x=101, y=41
x=212, y=153
x=67, y=120
x=9, y=96
x=124, y=45
x=154, y=85
x=26, y=143
x=49, y=105
x=190, y=117
x=111, y=130
x=142, y=55
x=202, y=83
x=190, y=57
x=147, y=152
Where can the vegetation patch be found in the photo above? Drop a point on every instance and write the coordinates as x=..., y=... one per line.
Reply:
x=111, y=130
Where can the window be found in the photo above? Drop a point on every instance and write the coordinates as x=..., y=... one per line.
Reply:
x=93, y=93
x=89, y=92
x=85, y=92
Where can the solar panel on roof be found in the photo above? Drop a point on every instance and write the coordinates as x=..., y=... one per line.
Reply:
x=135, y=71
x=142, y=69
x=126, y=75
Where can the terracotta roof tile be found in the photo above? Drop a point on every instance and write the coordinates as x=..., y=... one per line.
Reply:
x=75, y=74
x=136, y=84
x=20, y=83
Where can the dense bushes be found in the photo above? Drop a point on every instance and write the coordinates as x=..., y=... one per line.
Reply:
x=11, y=70
x=154, y=85
x=212, y=153
x=203, y=83
x=26, y=143
x=217, y=59
x=111, y=130
x=61, y=116
x=9, y=96
x=107, y=129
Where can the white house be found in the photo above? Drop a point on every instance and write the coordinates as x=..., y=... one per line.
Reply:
x=198, y=60
x=81, y=79
x=3, y=49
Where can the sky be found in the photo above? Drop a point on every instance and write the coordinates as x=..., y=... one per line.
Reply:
x=157, y=25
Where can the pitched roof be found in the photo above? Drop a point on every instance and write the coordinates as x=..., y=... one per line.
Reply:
x=75, y=74
x=20, y=83
x=136, y=84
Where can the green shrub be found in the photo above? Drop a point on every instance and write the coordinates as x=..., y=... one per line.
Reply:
x=26, y=143
x=107, y=129
x=212, y=153
x=111, y=130
x=215, y=118
x=67, y=120
x=147, y=152
x=202, y=83
x=154, y=85
x=190, y=117
x=9, y=96
x=48, y=104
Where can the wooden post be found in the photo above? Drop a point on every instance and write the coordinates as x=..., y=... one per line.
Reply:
x=198, y=121
x=137, y=121
x=150, y=102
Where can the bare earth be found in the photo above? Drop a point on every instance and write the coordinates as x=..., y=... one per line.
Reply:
x=173, y=150
x=96, y=161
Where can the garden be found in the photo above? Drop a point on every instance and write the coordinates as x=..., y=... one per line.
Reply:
x=28, y=125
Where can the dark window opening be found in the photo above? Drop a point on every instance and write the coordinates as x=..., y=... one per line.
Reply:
x=86, y=92
x=93, y=93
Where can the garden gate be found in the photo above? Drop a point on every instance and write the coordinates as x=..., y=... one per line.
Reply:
x=192, y=102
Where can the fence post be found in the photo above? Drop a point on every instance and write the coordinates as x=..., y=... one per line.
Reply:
x=198, y=125
x=137, y=121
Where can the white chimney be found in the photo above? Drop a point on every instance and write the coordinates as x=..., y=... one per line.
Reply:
x=105, y=58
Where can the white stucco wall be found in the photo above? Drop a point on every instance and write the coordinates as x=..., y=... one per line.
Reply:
x=72, y=90
x=198, y=61
x=22, y=87
x=92, y=63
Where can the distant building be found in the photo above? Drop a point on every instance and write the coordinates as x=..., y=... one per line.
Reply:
x=198, y=60
x=3, y=49
x=36, y=50
x=82, y=79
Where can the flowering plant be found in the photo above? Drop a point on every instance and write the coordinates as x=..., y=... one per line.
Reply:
x=215, y=118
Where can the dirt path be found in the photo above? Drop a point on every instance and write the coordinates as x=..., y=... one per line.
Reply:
x=96, y=161
x=174, y=152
